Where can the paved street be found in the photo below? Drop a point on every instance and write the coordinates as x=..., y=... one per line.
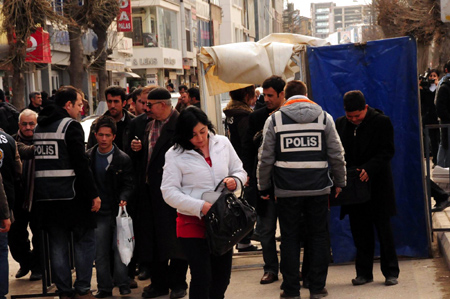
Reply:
x=424, y=278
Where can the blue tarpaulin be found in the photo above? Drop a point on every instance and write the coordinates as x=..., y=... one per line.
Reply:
x=386, y=72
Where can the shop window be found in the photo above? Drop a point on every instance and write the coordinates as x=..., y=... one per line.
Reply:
x=136, y=34
x=168, y=28
x=203, y=34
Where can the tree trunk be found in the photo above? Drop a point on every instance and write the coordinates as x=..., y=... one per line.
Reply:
x=76, y=69
x=100, y=63
x=423, y=52
x=18, y=86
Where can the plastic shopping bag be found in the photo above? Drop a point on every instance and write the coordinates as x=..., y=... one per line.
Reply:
x=125, y=235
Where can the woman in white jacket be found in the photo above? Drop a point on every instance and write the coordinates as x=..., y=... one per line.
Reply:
x=197, y=162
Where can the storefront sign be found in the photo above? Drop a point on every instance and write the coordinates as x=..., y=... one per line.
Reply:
x=169, y=61
x=145, y=61
x=38, y=47
x=125, y=20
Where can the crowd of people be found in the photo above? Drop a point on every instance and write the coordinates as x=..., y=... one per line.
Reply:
x=160, y=160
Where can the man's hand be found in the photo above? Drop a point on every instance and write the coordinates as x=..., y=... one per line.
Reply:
x=6, y=224
x=338, y=190
x=136, y=145
x=122, y=203
x=230, y=183
x=363, y=176
x=96, y=204
x=264, y=194
x=206, y=207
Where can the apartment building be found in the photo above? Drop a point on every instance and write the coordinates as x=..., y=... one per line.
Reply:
x=293, y=22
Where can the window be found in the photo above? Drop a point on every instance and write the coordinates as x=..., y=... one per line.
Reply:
x=168, y=28
x=338, y=11
x=322, y=10
x=136, y=34
x=322, y=30
x=322, y=17
x=203, y=34
x=322, y=24
x=187, y=18
x=57, y=6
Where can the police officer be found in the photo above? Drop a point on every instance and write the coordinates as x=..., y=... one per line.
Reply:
x=65, y=192
x=300, y=140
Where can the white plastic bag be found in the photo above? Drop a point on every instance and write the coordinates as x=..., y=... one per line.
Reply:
x=125, y=235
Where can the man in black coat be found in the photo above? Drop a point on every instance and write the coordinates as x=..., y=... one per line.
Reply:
x=65, y=192
x=116, y=100
x=368, y=139
x=273, y=88
x=158, y=242
x=443, y=112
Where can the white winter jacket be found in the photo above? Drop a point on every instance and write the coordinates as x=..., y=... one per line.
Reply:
x=187, y=175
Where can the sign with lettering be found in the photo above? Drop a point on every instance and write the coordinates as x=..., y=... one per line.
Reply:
x=125, y=19
x=297, y=142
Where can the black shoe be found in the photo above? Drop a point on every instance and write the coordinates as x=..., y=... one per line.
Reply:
x=133, y=284
x=35, y=276
x=144, y=275
x=151, y=292
x=124, y=290
x=284, y=295
x=22, y=272
x=439, y=207
x=391, y=281
x=178, y=293
x=103, y=294
x=359, y=280
x=268, y=277
x=319, y=294
x=249, y=249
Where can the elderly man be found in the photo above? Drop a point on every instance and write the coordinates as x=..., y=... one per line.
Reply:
x=159, y=219
x=19, y=243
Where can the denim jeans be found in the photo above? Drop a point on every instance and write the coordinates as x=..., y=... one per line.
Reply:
x=267, y=226
x=315, y=209
x=4, y=265
x=105, y=235
x=84, y=253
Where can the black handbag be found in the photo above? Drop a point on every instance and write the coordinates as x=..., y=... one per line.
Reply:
x=355, y=192
x=228, y=220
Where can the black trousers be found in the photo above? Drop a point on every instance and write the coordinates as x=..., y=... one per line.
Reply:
x=19, y=243
x=210, y=274
x=315, y=210
x=362, y=225
x=169, y=274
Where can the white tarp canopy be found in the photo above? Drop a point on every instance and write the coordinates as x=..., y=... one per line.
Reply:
x=233, y=66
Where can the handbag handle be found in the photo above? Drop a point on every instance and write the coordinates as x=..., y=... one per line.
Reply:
x=234, y=177
x=122, y=210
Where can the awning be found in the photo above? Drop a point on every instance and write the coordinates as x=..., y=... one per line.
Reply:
x=126, y=74
x=234, y=66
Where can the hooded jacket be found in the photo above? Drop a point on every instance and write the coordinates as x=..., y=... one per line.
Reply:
x=236, y=124
x=300, y=142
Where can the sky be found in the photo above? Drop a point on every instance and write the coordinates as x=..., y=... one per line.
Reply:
x=305, y=5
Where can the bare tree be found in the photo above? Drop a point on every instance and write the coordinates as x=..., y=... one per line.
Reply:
x=21, y=18
x=421, y=19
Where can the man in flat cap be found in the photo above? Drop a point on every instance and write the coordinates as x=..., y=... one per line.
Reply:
x=158, y=242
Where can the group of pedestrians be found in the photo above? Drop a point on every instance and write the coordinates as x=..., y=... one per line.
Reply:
x=158, y=164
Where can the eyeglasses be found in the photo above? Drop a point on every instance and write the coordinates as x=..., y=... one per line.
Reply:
x=149, y=105
x=31, y=123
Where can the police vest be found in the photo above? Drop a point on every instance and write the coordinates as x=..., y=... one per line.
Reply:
x=7, y=166
x=301, y=162
x=54, y=176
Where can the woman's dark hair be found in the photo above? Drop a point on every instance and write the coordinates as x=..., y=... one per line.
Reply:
x=239, y=94
x=186, y=122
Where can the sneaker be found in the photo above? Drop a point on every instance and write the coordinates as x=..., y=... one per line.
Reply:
x=391, y=281
x=318, y=294
x=359, y=280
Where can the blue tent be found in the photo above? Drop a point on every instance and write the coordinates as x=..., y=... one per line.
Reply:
x=386, y=72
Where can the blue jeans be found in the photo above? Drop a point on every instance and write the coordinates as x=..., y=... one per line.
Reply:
x=315, y=209
x=84, y=252
x=267, y=226
x=4, y=265
x=106, y=239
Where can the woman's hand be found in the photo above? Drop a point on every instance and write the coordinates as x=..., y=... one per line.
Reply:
x=206, y=207
x=230, y=183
